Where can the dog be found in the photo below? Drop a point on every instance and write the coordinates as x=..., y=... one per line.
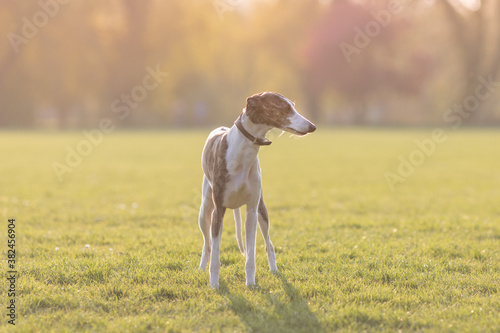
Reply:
x=232, y=178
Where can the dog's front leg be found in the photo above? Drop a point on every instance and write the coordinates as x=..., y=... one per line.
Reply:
x=250, y=233
x=217, y=219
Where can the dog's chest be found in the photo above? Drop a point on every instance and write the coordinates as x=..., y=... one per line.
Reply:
x=244, y=187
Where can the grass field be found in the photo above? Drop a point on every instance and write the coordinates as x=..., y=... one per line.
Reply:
x=115, y=246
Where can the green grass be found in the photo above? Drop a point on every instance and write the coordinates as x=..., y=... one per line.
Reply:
x=352, y=254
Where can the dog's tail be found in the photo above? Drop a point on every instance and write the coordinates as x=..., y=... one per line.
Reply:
x=239, y=232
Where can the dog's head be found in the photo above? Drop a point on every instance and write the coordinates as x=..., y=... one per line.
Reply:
x=277, y=111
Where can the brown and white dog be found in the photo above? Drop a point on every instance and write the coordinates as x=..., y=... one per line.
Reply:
x=232, y=178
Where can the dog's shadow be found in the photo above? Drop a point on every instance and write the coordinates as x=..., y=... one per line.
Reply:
x=289, y=315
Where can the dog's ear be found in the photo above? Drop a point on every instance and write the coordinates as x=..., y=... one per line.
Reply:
x=252, y=103
x=254, y=109
x=253, y=100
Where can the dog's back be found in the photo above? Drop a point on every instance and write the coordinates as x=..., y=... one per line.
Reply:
x=213, y=158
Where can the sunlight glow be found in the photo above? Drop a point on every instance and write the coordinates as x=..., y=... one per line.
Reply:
x=471, y=4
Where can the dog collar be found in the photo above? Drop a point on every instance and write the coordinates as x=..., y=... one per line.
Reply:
x=255, y=141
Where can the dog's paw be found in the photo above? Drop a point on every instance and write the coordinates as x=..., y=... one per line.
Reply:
x=253, y=286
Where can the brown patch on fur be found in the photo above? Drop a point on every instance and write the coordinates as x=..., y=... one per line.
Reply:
x=269, y=108
x=215, y=168
x=217, y=219
x=263, y=210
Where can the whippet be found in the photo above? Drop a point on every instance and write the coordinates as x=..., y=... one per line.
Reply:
x=232, y=178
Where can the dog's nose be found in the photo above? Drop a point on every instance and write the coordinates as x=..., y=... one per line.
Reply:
x=312, y=128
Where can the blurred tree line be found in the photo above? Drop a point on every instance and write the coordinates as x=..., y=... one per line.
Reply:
x=70, y=63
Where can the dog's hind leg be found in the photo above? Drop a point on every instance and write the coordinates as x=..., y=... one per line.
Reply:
x=205, y=221
x=264, y=228
x=237, y=222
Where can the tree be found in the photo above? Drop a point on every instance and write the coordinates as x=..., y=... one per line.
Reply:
x=476, y=32
x=350, y=51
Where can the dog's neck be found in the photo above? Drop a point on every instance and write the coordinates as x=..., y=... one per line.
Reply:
x=242, y=149
x=261, y=130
